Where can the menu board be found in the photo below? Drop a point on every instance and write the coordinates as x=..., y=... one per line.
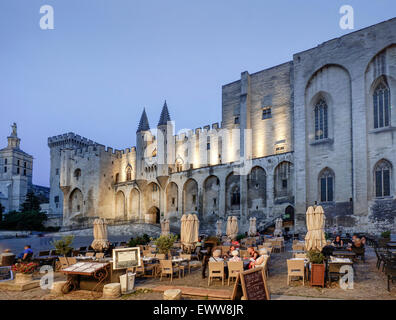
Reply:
x=6, y=274
x=126, y=258
x=251, y=285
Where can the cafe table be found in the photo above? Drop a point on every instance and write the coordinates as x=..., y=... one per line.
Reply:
x=99, y=271
x=344, y=254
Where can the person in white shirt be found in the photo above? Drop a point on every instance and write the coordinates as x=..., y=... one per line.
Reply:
x=235, y=257
x=216, y=256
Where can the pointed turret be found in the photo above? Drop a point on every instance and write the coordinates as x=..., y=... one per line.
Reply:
x=143, y=124
x=164, y=118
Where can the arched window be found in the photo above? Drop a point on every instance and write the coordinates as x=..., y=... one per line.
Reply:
x=326, y=180
x=381, y=103
x=382, y=175
x=77, y=173
x=129, y=174
x=117, y=178
x=321, y=120
x=235, y=196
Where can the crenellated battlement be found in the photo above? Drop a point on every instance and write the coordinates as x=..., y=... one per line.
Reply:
x=69, y=139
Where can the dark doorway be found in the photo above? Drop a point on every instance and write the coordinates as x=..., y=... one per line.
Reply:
x=289, y=214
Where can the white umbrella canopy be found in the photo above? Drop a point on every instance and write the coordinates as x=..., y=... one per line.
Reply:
x=183, y=226
x=100, y=241
x=165, y=227
x=252, y=227
x=278, y=227
x=228, y=226
x=315, y=237
x=188, y=239
x=195, y=229
x=219, y=232
x=319, y=225
x=234, y=228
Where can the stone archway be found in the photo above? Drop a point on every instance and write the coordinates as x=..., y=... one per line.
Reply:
x=153, y=215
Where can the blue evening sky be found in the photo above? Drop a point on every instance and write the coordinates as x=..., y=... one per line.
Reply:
x=107, y=59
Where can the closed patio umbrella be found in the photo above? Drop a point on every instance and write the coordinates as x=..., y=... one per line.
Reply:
x=195, y=229
x=183, y=226
x=319, y=225
x=219, y=232
x=252, y=227
x=315, y=238
x=234, y=228
x=165, y=227
x=228, y=227
x=100, y=241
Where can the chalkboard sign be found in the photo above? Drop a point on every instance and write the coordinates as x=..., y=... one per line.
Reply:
x=251, y=285
x=6, y=274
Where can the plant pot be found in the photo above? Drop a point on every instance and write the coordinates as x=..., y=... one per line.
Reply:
x=318, y=274
x=23, y=277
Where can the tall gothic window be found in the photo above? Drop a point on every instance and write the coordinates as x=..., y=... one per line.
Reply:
x=382, y=175
x=129, y=174
x=235, y=197
x=326, y=180
x=321, y=120
x=381, y=103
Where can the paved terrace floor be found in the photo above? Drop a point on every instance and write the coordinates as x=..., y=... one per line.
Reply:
x=370, y=284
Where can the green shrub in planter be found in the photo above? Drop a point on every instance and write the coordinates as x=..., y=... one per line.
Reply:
x=386, y=234
x=315, y=257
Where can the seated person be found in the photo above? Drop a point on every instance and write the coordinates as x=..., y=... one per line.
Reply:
x=229, y=253
x=253, y=256
x=27, y=253
x=338, y=243
x=235, y=256
x=260, y=261
x=235, y=243
x=216, y=256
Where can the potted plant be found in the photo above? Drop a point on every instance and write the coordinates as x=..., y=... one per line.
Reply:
x=64, y=245
x=165, y=243
x=316, y=259
x=24, y=271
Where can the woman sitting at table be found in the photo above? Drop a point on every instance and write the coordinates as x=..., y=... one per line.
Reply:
x=338, y=243
x=228, y=254
x=216, y=256
x=235, y=256
x=253, y=256
x=261, y=260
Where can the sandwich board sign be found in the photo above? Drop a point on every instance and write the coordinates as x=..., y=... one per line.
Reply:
x=251, y=285
x=125, y=258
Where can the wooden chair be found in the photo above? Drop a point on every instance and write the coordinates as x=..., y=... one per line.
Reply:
x=234, y=267
x=216, y=270
x=43, y=253
x=297, y=247
x=243, y=253
x=146, y=253
x=71, y=261
x=186, y=264
x=300, y=255
x=168, y=269
x=295, y=268
x=63, y=262
x=90, y=254
x=160, y=256
x=99, y=255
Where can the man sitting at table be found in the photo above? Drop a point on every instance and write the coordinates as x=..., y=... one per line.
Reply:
x=235, y=256
x=27, y=254
x=358, y=248
x=216, y=256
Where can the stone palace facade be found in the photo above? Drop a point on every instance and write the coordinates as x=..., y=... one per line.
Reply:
x=317, y=129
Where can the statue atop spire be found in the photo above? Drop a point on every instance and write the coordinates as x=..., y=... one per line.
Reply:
x=143, y=123
x=164, y=118
x=14, y=130
x=13, y=140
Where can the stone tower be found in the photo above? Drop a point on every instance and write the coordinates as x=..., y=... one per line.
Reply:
x=165, y=142
x=143, y=138
x=15, y=174
x=68, y=141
